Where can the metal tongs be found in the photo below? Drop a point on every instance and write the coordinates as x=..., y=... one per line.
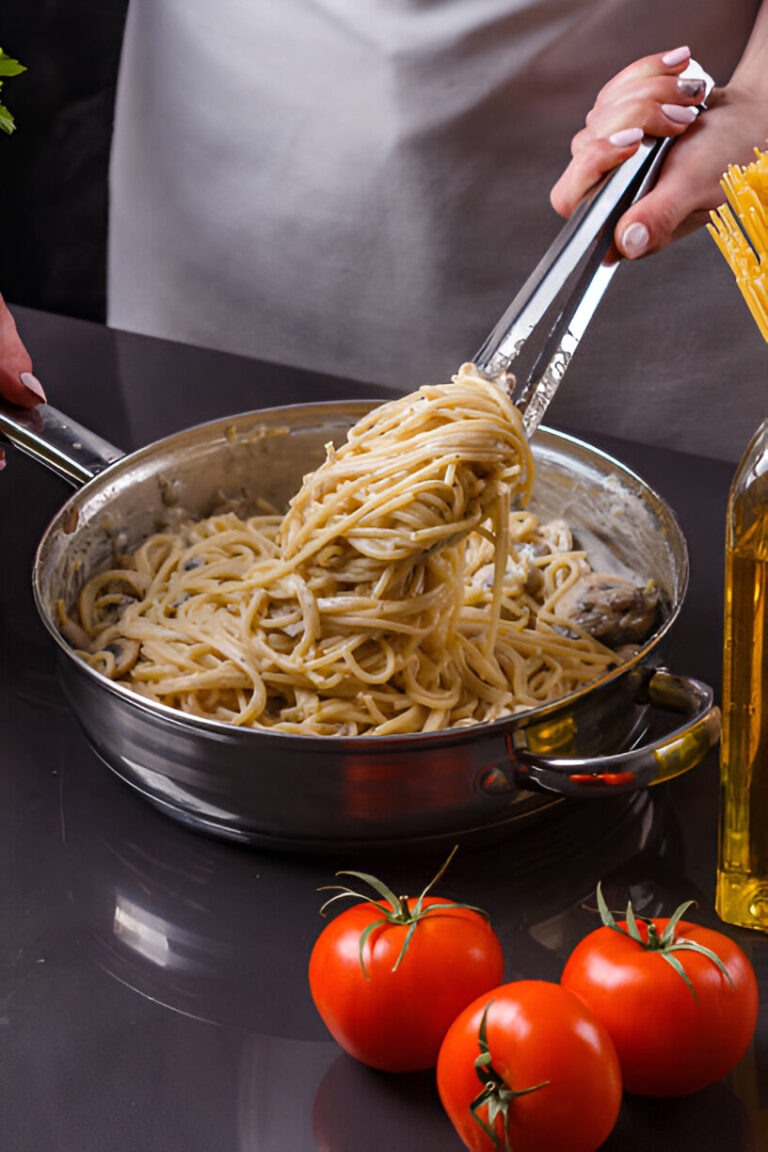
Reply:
x=538, y=334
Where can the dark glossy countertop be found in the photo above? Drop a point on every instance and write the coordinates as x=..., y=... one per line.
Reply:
x=153, y=990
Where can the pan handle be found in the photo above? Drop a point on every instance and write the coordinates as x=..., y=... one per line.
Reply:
x=61, y=444
x=663, y=759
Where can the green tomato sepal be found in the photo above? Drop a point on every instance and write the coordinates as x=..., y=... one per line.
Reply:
x=495, y=1094
x=665, y=944
x=397, y=909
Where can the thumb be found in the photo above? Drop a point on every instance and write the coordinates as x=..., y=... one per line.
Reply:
x=650, y=225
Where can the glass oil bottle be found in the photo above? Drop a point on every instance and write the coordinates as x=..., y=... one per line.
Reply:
x=742, y=873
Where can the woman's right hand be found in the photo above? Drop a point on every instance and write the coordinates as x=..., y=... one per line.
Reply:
x=651, y=97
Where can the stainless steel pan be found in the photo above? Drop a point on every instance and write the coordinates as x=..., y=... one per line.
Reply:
x=312, y=792
x=279, y=789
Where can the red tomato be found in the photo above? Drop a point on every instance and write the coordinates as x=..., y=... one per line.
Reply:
x=540, y=1037
x=672, y=1039
x=395, y=1018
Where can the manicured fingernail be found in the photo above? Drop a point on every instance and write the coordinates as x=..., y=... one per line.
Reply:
x=679, y=113
x=2, y=459
x=635, y=240
x=33, y=384
x=689, y=86
x=625, y=137
x=676, y=56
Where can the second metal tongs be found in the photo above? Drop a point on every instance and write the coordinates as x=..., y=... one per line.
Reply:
x=538, y=334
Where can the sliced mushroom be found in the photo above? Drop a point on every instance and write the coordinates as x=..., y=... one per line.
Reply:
x=534, y=548
x=72, y=632
x=125, y=652
x=611, y=608
x=534, y=581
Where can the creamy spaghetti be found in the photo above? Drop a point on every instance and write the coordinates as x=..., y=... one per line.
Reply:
x=401, y=592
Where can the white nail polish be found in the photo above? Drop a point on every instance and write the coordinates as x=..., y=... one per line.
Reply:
x=625, y=137
x=676, y=56
x=33, y=384
x=679, y=113
x=635, y=239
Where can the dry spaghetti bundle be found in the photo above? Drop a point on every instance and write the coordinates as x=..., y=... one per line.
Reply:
x=399, y=593
x=740, y=230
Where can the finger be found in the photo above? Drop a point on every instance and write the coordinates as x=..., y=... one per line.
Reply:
x=688, y=188
x=642, y=96
x=660, y=89
x=628, y=98
x=655, y=221
x=17, y=383
x=641, y=232
x=657, y=105
x=655, y=119
x=670, y=63
x=590, y=163
x=24, y=389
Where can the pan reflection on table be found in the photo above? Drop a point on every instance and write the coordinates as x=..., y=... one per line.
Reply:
x=197, y=924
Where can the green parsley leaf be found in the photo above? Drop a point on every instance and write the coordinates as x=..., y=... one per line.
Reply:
x=8, y=67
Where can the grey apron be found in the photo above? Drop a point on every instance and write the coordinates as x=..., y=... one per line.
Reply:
x=360, y=186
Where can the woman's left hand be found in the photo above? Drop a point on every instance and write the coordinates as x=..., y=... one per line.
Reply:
x=17, y=383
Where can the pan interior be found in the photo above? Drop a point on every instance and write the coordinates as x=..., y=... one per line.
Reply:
x=232, y=464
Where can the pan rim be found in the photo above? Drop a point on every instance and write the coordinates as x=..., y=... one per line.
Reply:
x=438, y=738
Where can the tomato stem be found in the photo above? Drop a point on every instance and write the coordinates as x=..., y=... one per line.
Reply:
x=394, y=909
x=495, y=1095
x=666, y=943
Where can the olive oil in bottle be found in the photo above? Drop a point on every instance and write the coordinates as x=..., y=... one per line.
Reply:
x=742, y=873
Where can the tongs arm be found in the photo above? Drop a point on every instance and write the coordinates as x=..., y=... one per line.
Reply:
x=538, y=334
